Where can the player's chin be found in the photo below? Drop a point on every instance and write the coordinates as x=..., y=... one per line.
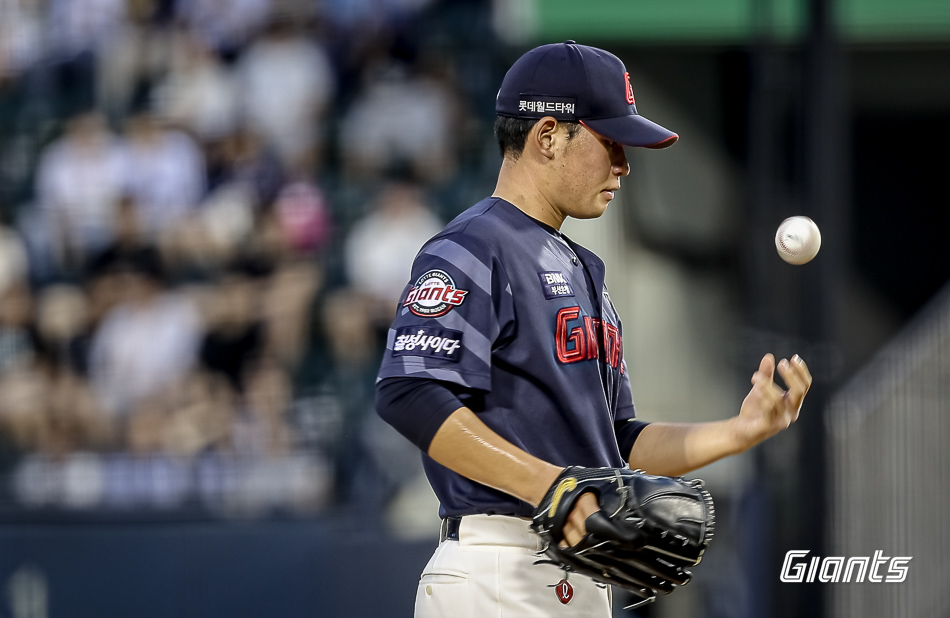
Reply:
x=590, y=213
x=599, y=206
x=591, y=210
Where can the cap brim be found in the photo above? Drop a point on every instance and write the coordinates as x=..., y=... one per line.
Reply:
x=633, y=130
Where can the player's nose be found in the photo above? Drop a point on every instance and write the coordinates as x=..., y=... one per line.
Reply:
x=618, y=160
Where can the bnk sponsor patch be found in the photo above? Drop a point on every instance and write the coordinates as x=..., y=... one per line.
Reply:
x=555, y=285
x=434, y=294
x=424, y=341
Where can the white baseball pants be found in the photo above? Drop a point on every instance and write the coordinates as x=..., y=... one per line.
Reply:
x=490, y=573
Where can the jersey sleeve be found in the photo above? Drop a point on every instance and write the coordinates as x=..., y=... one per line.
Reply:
x=626, y=426
x=456, y=308
x=625, y=407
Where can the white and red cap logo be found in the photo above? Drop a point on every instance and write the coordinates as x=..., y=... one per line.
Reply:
x=434, y=294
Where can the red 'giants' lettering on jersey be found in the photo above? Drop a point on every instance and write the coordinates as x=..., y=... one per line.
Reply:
x=576, y=338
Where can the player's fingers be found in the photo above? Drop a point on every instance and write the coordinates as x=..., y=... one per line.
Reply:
x=769, y=398
x=795, y=374
x=793, y=381
x=767, y=366
x=764, y=386
x=798, y=379
x=575, y=527
x=803, y=376
x=763, y=379
x=572, y=535
x=802, y=369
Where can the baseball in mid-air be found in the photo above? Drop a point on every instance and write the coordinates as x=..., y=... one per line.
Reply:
x=797, y=240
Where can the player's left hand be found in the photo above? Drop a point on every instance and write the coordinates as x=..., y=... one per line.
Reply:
x=576, y=526
x=768, y=409
x=644, y=534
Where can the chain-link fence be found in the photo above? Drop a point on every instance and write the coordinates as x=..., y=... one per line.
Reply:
x=889, y=471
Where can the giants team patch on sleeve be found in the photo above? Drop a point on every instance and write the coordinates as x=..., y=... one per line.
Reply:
x=555, y=284
x=424, y=341
x=434, y=294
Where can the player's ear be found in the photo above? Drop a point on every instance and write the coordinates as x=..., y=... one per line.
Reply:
x=544, y=136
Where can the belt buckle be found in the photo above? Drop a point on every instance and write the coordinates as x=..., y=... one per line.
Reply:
x=449, y=530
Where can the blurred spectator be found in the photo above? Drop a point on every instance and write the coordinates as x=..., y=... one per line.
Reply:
x=128, y=238
x=13, y=261
x=201, y=414
x=211, y=236
x=230, y=221
x=199, y=92
x=79, y=33
x=20, y=383
x=21, y=407
x=295, y=482
x=64, y=328
x=353, y=350
x=138, y=53
x=73, y=420
x=360, y=21
x=44, y=405
x=19, y=340
x=380, y=247
x=263, y=428
x=288, y=302
x=286, y=85
x=242, y=158
x=102, y=275
x=21, y=37
x=147, y=342
x=146, y=474
x=80, y=179
x=165, y=172
x=303, y=216
x=277, y=476
x=378, y=256
x=235, y=331
x=281, y=243
x=163, y=433
x=80, y=26
x=348, y=327
x=224, y=25
x=121, y=391
x=400, y=119
x=61, y=423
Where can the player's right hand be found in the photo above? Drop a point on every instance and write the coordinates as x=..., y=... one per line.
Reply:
x=768, y=409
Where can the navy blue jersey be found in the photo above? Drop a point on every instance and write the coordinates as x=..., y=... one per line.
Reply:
x=506, y=307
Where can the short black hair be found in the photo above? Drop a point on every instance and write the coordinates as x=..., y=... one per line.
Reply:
x=512, y=133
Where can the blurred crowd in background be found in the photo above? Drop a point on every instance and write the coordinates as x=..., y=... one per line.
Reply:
x=208, y=209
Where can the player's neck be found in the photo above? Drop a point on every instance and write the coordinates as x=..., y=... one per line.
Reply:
x=517, y=185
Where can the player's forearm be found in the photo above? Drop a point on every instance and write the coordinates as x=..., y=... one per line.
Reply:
x=466, y=445
x=674, y=449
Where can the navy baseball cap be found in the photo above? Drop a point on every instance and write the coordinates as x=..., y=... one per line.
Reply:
x=579, y=83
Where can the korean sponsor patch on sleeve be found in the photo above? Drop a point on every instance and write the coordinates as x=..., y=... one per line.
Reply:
x=442, y=343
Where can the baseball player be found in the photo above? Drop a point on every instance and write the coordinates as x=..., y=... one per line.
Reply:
x=505, y=362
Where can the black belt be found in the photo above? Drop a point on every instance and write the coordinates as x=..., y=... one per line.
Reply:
x=450, y=529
